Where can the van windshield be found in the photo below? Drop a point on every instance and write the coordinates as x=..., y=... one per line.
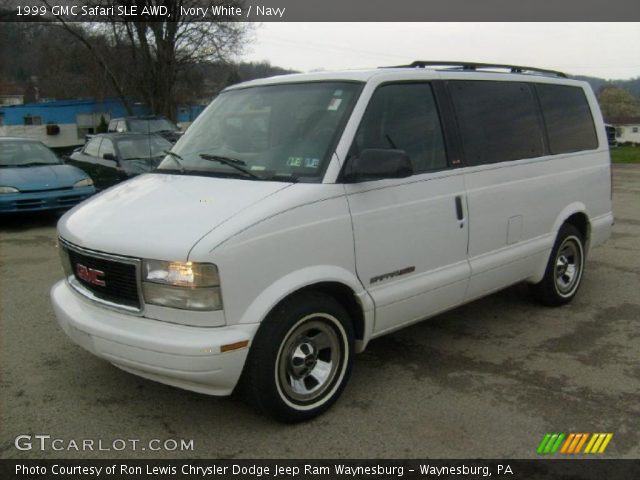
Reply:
x=277, y=132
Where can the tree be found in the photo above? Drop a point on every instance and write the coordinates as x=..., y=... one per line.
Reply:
x=49, y=63
x=151, y=56
x=102, y=126
x=616, y=102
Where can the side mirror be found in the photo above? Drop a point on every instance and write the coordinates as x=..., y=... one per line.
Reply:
x=376, y=164
x=109, y=156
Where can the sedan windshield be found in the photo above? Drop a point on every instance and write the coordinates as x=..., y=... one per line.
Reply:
x=284, y=131
x=142, y=147
x=20, y=153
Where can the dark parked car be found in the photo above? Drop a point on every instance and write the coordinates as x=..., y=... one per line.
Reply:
x=147, y=125
x=33, y=178
x=611, y=135
x=110, y=158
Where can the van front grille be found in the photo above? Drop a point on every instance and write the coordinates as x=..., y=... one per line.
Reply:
x=109, y=280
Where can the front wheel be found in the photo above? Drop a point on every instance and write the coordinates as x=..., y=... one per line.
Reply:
x=564, y=270
x=301, y=357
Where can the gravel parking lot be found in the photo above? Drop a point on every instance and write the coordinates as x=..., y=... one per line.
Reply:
x=485, y=380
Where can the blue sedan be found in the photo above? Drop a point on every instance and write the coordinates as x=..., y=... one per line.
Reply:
x=32, y=178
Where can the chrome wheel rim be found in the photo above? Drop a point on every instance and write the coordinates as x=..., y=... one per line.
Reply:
x=568, y=266
x=309, y=360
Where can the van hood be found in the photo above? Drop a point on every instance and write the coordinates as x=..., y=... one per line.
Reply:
x=160, y=216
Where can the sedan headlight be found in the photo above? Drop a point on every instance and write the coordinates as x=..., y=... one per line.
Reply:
x=184, y=285
x=9, y=190
x=85, y=182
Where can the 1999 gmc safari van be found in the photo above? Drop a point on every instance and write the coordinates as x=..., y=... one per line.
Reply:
x=301, y=216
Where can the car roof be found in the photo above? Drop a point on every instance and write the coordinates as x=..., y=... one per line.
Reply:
x=21, y=139
x=141, y=117
x=118, y=135
x=422, y=70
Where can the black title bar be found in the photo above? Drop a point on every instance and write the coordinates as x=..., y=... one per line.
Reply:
x=320, y=10
x=585, y=469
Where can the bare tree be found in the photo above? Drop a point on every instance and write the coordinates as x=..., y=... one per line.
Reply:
x=151, y=56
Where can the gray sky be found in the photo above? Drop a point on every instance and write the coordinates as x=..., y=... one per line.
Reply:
x=607, y=50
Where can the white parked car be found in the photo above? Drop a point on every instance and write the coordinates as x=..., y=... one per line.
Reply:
x=301, y=216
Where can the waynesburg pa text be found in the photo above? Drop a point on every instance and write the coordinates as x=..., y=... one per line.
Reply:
x=259, y=470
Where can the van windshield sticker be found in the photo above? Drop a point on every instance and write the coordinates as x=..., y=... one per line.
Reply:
x=334, y=104
x=311, y=162
x=307, y=162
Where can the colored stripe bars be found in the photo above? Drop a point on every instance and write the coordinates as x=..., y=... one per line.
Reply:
x=573, y=443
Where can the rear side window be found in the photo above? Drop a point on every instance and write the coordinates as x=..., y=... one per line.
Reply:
x=568, y=118
x=498, y=121
x=92, y=147
x=404, y=117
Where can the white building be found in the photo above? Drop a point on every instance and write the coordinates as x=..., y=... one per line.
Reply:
x=627, y=129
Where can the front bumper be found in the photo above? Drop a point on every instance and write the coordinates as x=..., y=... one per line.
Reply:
x=182, y=356
x=47, y=200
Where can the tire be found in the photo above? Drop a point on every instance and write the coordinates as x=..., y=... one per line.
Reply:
x=563, y=274
x=301, y=358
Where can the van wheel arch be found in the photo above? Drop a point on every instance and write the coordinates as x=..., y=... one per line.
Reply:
x=581, y=222
x=564, y=268
x=346, y=297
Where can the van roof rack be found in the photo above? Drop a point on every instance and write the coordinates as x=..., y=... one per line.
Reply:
x=471, y=66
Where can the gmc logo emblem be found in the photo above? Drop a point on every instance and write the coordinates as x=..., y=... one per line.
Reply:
x=90, y=275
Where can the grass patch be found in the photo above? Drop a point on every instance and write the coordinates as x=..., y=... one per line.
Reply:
x=625, y=155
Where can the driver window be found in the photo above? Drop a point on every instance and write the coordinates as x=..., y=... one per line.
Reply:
x=404, y=117
x=106, y=147
x=92, y=147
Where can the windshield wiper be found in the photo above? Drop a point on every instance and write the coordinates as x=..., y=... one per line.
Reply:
x=231, y=162
x=176, y=158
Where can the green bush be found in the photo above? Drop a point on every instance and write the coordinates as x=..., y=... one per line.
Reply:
x=625, y=154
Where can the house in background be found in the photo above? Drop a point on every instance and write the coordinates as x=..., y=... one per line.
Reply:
x=627, y=129
x=65, y=123
x=11, y=94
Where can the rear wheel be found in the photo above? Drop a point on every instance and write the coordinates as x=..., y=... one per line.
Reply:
x=301, y=358
x=564, y=271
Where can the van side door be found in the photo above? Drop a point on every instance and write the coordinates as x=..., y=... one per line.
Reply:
x=501, y=136
x=410, y=233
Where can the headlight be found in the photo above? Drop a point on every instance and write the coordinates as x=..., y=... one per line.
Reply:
x=85, y=182
x=185, y=285
x=9, y=190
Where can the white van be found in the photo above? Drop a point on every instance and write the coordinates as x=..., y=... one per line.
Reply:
x=301, y=216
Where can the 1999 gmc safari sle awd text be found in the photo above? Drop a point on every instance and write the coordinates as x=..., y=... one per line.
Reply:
x=301, y=216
